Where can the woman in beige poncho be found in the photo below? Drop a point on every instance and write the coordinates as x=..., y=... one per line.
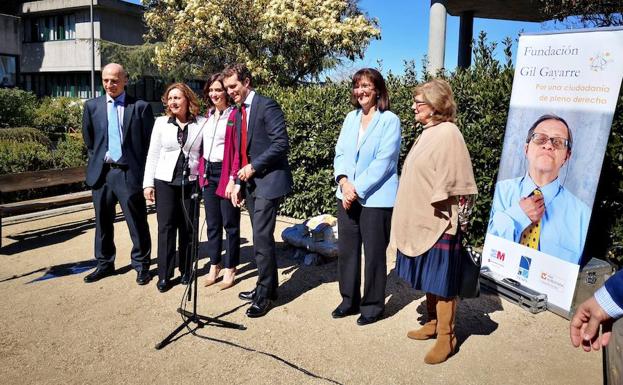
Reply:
x=433, y=195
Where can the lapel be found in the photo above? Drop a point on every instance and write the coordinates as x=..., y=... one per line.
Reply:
x=371, y=126
x=194, y=130
x=252, y=120
x=101, y=117
x=127, y=116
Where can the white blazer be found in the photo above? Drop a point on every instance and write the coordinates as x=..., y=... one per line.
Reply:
x=164, y=150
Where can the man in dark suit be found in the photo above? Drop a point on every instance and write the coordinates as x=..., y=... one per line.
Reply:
x=266, y=177
x=116, y=129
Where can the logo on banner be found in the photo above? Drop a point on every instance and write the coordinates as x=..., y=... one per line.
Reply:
x=553, y=281
x=600, y=60
x=497, y=257
x=524, y=267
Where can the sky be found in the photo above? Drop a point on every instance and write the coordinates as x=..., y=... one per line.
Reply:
x=404, y=34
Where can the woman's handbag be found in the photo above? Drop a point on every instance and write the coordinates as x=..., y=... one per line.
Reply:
x=471, y=261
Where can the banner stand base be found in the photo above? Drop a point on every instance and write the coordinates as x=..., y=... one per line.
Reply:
x=513, y=291
x=591, y=277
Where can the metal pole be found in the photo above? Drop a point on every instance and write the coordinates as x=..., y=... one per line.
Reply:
x=92, y=52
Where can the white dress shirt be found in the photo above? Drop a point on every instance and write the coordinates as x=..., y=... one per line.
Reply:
x=214, y=134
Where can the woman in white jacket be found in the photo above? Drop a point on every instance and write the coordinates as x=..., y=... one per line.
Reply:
x=171, y=178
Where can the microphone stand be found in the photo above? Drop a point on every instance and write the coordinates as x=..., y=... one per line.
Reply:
x=194, y=317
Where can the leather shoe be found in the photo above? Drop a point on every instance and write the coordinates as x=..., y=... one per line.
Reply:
x=339, y=313
x=98, y=274
x=162, y=285
x=185, y=279
x=259, y=308
x=143, y=277
x=247, y=295
x=362, y=320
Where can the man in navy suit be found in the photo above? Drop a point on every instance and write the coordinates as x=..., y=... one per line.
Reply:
x=266, y=177
x=601, y=309
x=117, y=128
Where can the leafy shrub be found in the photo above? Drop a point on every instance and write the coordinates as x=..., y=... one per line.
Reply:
x=59, y=115
x=24, y=134
x=24, y=156
x=70, y=151
x=17, y=107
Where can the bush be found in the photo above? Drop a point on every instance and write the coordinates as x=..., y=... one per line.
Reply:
x=24, y=156
x=17, y=107
x=24, y=134
x=59, y=115
x=70, y=151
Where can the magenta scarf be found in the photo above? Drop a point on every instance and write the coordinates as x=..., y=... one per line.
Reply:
x=231, y=157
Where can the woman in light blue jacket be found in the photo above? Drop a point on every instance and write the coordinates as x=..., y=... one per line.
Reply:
x=365, y=169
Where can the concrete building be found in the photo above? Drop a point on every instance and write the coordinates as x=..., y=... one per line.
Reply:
x=57, y=50
x=467, y=10
x=10, y=50
x=46, y=45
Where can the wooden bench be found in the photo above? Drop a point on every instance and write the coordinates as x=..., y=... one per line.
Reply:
x=39, y=179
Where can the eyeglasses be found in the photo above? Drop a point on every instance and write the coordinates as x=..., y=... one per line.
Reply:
x=557, y=142
x=364, y=86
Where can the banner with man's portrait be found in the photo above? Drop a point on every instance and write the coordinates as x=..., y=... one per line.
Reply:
x=564, y=94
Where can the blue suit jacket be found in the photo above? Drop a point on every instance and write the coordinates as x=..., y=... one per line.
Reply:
x=373, y=165
x=610, y=296
x=138, y=122
x=267, y=149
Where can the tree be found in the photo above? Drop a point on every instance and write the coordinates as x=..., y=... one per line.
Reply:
x=591, y=13
x=281, y=41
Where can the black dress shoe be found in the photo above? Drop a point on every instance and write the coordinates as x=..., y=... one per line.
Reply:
x=247, y=295
x=98, y=274
x=185, y=279
x=339, y=313
x=259, y=308
x=163, y=285
x=143, y=277
x=361, y=321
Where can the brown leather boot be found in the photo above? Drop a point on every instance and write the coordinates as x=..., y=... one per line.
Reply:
x=446, y=339
x=429, y=329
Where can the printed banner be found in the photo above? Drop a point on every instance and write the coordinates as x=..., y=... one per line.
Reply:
x=565, y=90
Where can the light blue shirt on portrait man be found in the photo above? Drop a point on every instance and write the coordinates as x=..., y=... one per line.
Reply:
x=563, y=225
x=371, y=163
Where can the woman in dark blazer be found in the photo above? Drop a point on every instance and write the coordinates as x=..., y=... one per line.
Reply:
x=365, y=169
x=171, y=177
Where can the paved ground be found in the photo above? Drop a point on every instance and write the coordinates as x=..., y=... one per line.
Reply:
x=61, y=330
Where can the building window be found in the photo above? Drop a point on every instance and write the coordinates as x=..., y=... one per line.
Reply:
x=8, y=71
x=48, y=28
x=74, y=85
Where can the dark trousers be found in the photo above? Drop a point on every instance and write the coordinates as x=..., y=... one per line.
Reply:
x=171, y=211
x=263, y=213
x=370, y=226
x=105, y=198
x=220, y=213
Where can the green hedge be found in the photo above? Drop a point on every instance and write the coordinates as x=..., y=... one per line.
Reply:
x=59, y=115
x=17, y=107
x=24, y=134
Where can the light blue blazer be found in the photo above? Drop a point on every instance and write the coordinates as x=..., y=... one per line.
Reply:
x=373, y=165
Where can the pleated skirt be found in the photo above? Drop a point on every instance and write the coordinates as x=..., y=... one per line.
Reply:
x=437, y=271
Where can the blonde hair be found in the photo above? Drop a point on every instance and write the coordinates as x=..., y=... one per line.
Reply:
x=438, y=95
x=191, y=98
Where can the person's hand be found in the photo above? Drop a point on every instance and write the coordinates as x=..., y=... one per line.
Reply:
x=236, y=198
x=533, y=206
x=229, y=189
x=348, y=190
x=584, y=327
x=150, y=194
x=245, y=173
